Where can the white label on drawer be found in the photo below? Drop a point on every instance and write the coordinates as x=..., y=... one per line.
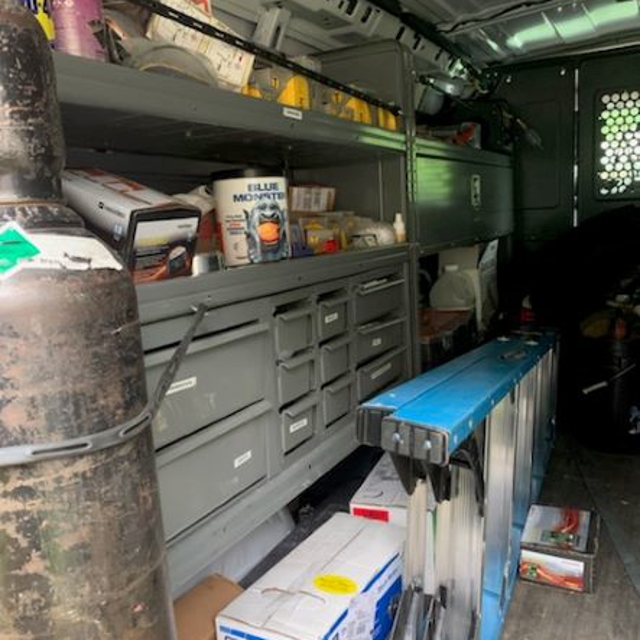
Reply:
x=182, y=385
x=332, y=317
x=294, y=114
x=243, y=459
x=300, y=424
x=376, y=342
x=381, y=371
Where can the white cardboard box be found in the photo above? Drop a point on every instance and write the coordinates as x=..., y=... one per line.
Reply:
x=312, y=198
x=339, y=583
x=381, y=496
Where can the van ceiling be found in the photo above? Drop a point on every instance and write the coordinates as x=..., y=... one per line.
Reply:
x=498, y=31
x=483, y=32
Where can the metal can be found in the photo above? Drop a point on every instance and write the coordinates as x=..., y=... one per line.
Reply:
x=78, y=24
x=252, y=215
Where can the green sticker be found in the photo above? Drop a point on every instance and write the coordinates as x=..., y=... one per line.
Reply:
x=14, y=247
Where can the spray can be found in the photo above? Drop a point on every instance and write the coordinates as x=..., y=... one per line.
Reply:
x=252, y=213
x=78, y=24
x=41, y=9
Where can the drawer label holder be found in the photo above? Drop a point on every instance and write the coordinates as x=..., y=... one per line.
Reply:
x=183, y=385
x=243, y=459
x=299, y=424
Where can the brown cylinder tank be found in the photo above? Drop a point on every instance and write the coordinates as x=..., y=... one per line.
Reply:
x=82, y=553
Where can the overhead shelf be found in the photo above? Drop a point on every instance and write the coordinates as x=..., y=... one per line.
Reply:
x=108, y=107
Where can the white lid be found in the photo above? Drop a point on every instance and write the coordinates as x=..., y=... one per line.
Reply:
x=398, y=218
x=451, y=268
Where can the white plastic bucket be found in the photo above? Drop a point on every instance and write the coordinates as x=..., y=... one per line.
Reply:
x=252, y=214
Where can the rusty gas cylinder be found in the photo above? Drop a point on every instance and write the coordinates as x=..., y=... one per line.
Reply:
x=82, y=553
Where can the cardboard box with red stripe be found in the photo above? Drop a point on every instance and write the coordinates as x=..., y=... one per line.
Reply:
x=382, y=496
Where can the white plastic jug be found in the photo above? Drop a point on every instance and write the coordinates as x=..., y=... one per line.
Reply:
x=453, y=291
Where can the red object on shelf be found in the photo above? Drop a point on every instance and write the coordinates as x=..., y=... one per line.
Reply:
x=331, y=246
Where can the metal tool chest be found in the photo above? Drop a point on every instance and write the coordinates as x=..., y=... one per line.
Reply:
x=264, y=401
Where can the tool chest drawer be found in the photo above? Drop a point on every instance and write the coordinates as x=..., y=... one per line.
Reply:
x=212, y=382
x=203, y=472
x=332, y=316
x=337, y=400
x=294, y=330
x=334, y=359
x=380, y=373
x=378, y=298
x=376, y=338
x=296, y=377
x=299, y=422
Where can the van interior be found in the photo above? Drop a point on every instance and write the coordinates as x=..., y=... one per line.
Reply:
x=390, y=242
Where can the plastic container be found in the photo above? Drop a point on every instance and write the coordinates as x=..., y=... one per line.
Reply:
x=453, y=291
x=252, y=215
x=281, y=85
x=400, y=229
x=77, y=25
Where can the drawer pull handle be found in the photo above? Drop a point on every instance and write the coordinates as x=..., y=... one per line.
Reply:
x=381, y=371
x=333, y=302
x=295, y=363
x=296, y=314
x=332, y=347
x=374, y=328
x=363, y=290
x=338, y=386
x=300, y=407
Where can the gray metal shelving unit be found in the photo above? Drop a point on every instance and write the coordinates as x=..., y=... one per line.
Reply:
x=264, y=402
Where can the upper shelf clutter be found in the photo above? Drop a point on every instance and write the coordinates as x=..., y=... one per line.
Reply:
x=108, y=107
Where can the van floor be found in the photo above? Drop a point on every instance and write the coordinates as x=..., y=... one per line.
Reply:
x=610, y=484
x=576, y=477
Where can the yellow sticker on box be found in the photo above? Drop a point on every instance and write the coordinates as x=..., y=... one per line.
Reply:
x=335, y=585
